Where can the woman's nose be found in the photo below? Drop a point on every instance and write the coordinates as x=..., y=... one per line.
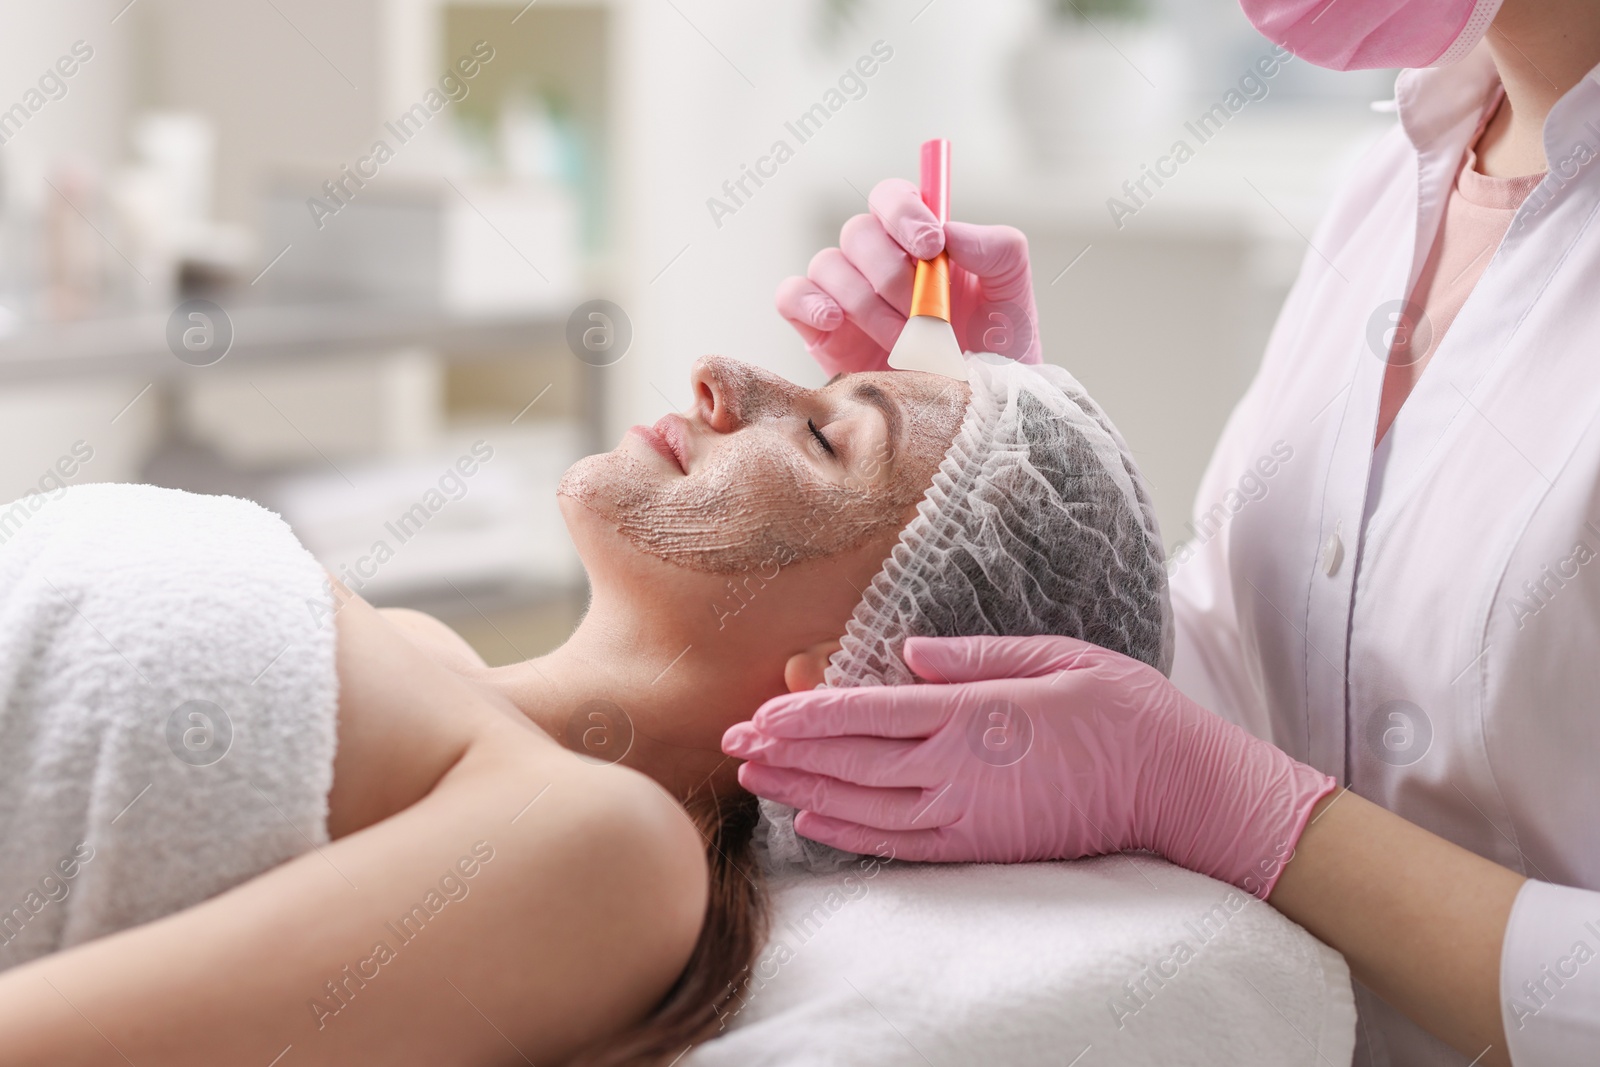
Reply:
x=719, y=394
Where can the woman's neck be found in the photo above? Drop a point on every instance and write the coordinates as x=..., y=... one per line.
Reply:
x=1541, y=48
x=618, y=691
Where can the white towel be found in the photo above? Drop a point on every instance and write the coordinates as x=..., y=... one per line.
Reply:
x=929, y=965
x=168, y=705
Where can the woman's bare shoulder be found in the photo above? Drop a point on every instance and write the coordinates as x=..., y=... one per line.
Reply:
x=646, y=833
x=620, y=855
x=434, y=639
x=529, y=898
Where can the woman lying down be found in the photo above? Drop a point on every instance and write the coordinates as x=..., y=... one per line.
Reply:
x=245, y=815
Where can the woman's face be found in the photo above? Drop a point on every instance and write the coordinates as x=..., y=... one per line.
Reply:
x=728, y=546
x=762, y=473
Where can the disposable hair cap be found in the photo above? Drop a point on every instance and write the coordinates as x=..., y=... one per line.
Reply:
x=1037, y=522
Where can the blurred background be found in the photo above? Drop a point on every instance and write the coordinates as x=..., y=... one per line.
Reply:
x=389, y=266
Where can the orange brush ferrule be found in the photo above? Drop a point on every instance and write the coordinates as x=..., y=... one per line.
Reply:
x=930, y=287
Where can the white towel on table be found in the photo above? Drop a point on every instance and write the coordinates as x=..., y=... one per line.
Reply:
x=168, y=705
x=928, y=965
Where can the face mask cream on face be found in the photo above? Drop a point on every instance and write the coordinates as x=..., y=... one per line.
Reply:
x=756, y=496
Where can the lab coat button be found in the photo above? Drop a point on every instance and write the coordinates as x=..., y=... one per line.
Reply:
x=1332, y=553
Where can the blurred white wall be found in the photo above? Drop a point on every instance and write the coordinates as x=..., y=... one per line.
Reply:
x=737, y=73
x=88, y=121
x=82, y=130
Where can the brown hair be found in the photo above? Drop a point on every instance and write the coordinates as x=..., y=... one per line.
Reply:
x=734, y=930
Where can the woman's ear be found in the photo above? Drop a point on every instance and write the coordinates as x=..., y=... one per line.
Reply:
x=804, y=669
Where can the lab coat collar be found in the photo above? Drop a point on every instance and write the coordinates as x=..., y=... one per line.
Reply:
x=1571, y=144
x=1434, y=101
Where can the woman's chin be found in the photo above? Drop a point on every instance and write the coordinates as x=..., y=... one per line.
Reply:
x=611, y=559
x=590, y=482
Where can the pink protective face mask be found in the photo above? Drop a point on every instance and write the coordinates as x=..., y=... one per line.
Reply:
x=1373, y=34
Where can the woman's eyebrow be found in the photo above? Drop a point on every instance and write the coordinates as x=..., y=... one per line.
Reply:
x=868, y=393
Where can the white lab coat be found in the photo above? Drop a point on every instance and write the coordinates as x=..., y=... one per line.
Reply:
x=1425, y=625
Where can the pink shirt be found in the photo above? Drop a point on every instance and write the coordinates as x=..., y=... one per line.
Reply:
x=1476, y=218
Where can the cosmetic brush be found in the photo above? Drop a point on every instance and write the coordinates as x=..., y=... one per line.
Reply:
x=927, y=342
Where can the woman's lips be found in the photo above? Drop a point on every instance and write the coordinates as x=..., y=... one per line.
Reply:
x=667, y=439
x=670, y=428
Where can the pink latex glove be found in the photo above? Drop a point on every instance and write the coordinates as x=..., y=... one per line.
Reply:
x=1041, y=748
x=852, y=303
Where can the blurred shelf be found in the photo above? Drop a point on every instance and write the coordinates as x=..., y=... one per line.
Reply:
x=137, y=344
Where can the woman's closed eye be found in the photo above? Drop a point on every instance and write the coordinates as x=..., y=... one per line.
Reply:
x=821, y=440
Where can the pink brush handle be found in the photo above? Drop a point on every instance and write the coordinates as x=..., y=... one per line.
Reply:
x=936, y=177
